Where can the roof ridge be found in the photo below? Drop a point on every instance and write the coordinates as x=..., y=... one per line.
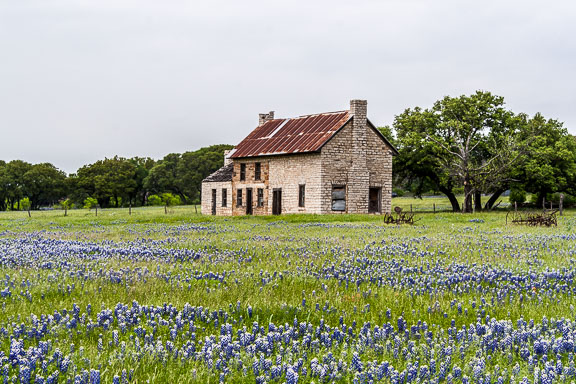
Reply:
x=322, y=113
x=309, y=115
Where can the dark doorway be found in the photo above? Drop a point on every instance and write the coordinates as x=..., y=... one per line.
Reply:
x=277, y=201
x=374, y=200
x=248, y=201
x=213, y=201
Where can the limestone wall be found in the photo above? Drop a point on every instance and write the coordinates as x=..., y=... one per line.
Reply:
x=250, y=182
x=285, y=172
x=338, y=157
x=288, y=173
x=379, y=163
x=206, y=206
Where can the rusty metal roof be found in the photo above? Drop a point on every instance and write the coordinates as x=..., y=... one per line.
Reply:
x=288, y=136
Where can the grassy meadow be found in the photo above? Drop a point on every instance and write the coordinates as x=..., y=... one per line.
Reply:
x=178, y=297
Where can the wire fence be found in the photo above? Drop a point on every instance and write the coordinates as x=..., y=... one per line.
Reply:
x=431, y=204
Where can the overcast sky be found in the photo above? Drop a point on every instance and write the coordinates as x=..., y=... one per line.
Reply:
x=81, y=80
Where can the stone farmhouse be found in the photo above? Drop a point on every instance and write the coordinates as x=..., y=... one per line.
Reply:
x=336, y=162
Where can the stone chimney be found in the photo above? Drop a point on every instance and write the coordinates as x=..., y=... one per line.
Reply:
x=358, y=108
x=359, y=124
x=227, y=160
x=264, y=117
x=359, y=177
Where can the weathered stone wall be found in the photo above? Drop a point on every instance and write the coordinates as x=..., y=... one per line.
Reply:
x=285, y=172
x=250, y=182
x=336, y=161
x=379, y=163
x=288, y=173
x=338, y=157
x=206, y=207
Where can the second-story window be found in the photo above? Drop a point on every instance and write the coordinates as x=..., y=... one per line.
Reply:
x=257, y=171
x=242, y=171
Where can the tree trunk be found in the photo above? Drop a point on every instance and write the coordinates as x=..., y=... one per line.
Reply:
x=541, y=196
x=467, y=206
x=477, y=201
x=492, y=200
x=452, y=198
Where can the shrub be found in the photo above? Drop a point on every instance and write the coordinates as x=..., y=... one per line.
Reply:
x=517, y=195
x=154, y=200
x=90, y=203
x=170, y=200
x=167, y=199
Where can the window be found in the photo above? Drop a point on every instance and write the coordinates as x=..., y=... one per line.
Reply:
x=242, y=171
x=224, y=197
x=239, y=198
x=338, y=197
x=260, y=200
x=257, y=171
x=301, y=195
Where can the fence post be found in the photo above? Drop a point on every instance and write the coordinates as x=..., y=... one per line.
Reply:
x=434, y=207
x=543, y=203
x=410, y=207
x=130, y=209
x=550, y=205
x=561, y=204
x=515, y=206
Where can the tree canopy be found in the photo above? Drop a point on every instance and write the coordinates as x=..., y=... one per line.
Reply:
x=182, y=174
x=475, y=144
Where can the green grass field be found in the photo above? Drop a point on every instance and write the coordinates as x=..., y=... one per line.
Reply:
x=180, y=297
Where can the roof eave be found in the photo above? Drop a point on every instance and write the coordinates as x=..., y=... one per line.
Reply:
x=276, y=154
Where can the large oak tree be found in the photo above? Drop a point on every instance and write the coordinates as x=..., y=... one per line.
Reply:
x=467, y=141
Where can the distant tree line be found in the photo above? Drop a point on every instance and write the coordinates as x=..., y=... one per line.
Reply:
x=475, y=146
x=468, y=145
x=114, y=182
